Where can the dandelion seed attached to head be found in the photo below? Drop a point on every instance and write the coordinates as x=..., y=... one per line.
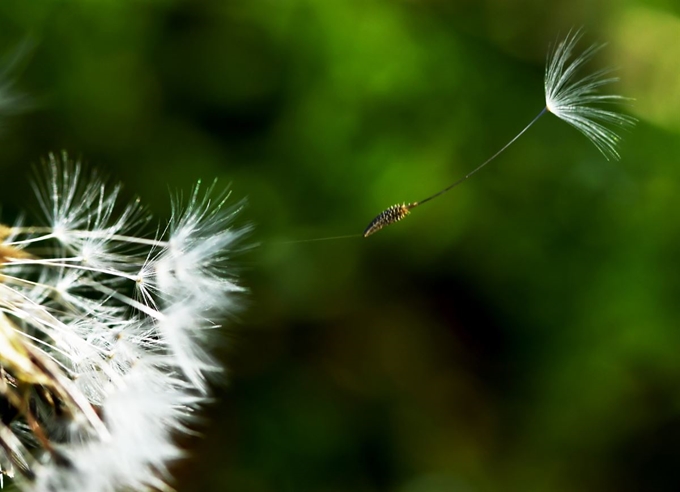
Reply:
x=105, y=333
x=569, y=98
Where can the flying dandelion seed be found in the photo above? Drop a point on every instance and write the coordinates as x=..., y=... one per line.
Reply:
x=569, y=98
x=12, y=100
x=104, y=333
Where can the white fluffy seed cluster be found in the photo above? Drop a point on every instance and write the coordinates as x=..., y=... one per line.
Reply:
x=104, y=333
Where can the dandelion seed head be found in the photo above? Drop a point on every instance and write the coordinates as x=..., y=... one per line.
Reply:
x=108, y=330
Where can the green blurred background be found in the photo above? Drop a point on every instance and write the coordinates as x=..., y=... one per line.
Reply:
x=521, y=333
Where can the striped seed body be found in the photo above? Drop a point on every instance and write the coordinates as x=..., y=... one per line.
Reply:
x=389, y=216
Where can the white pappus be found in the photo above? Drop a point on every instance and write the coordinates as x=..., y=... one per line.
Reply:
x=104, y=331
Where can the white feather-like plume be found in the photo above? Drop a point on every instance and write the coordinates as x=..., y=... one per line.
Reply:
x=571, y=99
x=104, y=333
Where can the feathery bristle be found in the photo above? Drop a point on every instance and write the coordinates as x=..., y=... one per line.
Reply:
x=572, y=99
x=105, y=332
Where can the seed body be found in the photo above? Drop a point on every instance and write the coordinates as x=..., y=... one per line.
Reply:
x=389, y=216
